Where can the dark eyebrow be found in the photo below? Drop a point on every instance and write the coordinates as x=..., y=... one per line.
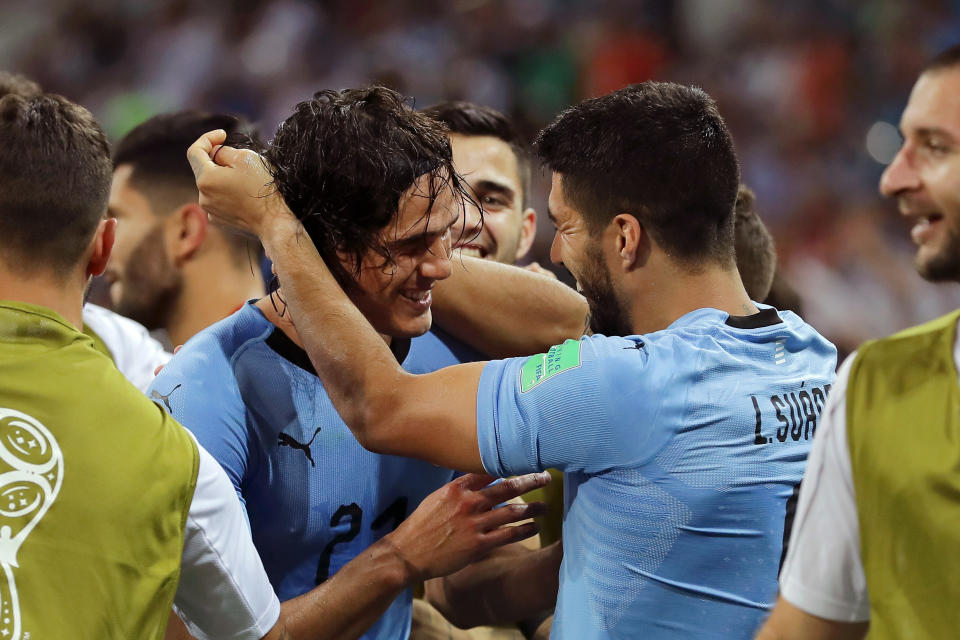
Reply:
x=421, y=237
x=929, y=132
x=925, y=133
x=496, y=187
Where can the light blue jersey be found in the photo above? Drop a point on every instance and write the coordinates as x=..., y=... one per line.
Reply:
x=680, y=451
x=314, y=497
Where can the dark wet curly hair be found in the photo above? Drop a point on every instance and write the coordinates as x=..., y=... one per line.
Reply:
x=343, y=160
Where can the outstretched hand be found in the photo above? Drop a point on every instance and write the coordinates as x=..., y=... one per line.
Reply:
x=461, y=523
x=235, y=185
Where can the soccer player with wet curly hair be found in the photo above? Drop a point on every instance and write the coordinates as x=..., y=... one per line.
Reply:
x=373, y=184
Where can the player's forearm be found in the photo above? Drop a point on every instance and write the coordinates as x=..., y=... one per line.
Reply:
x=347, y=604
x=788, y=622
x=510, y=586
x=505, y=311
x=357, y=368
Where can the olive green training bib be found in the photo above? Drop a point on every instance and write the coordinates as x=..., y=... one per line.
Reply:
x=903, y=429
x=95, y=486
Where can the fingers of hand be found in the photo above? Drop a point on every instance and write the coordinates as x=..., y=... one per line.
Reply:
x=513, y=487
x=474, y=481
x=509, y=513
x=508, y=535
x=198, y=154
x=230, y=157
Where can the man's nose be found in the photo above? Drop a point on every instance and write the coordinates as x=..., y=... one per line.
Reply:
x=437, y=265
x=470, y=222
x=555, y=249
x=900, y=175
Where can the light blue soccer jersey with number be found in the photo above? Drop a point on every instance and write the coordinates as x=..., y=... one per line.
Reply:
x=314, y=497
x=681, y=450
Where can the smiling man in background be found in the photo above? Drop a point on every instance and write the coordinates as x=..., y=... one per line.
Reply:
x=878, y=523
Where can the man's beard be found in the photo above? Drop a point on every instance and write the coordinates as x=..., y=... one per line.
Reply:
x=945, y=265
x=150, y=283
x=607, y=315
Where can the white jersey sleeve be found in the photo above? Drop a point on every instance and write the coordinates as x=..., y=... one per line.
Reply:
x=823, y=572
x=134, y=351
x=224, y=591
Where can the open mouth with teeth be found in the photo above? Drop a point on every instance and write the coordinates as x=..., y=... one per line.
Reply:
x=419, y=297
x=923, y=227
x=471, y=250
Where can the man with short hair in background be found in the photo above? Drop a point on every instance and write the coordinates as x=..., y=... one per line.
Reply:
x=171, y=268
x=756, y=251
x=494, y=162
x=878, y=523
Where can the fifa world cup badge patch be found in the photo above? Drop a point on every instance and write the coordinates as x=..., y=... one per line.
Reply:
x=543, y=366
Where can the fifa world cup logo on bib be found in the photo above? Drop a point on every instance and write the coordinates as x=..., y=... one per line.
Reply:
x=31, y=472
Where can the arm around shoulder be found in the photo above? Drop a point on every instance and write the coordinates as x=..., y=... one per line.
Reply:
x=505, y=311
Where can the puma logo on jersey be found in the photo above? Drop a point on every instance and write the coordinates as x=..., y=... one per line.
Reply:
x=284, y=440
x=156, y=395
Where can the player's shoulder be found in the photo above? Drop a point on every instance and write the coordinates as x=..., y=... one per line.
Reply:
x=207, y=359
x=598, y=360
x=437, y=349
x=768, y=325
x=226, y=340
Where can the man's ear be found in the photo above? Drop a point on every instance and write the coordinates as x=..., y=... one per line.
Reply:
x=528, y=231
x=632, y=241
x=190, y=224
x=102, y=246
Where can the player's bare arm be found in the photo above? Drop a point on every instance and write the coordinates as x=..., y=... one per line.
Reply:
x=505, y=311
x=512, y=585
x=454, y=526
x=432, y=416
x=787, y=622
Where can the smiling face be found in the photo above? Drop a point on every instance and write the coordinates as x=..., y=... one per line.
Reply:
x=924, y=176
x=490, y=170
x=582, y=254
x=395, y=297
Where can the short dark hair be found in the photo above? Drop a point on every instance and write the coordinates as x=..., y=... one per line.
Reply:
x=343, y=160
x=756, y=251
x=54, y=181
x=156, y=149
x=18, y=84
x=659, y=151
x=944, y=60
x=471, y=119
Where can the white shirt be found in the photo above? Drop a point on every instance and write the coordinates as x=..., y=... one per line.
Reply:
x=134, y=352
x=823, y=572
x=224, y=591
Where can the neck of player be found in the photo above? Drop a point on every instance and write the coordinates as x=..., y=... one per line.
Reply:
x=275, y=311
x=212, y=290
x=660, y=297
x=46, y=290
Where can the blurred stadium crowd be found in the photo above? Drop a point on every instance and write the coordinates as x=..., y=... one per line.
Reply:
x=811, y=92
